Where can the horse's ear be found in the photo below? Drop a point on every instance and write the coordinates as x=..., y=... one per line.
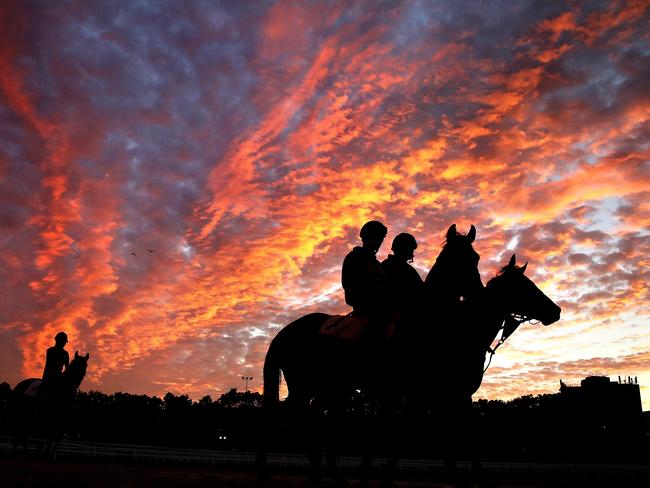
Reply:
x=471, y=235
x=523, y=268
x=451, y=232
x=87, y=356
x=512, y=262
x=76, y=354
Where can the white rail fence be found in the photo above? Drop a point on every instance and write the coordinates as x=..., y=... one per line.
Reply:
x=132, y=452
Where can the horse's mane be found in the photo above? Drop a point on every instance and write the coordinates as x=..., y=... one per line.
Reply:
x=458, y=234
x=440, y=263
x=507, y=268
x=76, y=371
x=449, y=239
x=448, y=278
x=78, y=361
x=444, y=249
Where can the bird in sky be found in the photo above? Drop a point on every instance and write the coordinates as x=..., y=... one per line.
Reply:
x=133, y=254
x=149, y=250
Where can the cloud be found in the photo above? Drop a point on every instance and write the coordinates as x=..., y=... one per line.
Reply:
x=245, y=145
x=507, y=383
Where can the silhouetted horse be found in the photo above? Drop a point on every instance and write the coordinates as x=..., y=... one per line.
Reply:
x=45, y=413
x=322, y=372
x=459, y=321
x=454, y=350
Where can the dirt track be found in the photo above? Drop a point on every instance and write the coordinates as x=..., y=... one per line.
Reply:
x=33, y=472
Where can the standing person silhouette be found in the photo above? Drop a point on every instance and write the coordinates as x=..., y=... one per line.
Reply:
x=56, y=360
x=364, y=280
x=405, y=286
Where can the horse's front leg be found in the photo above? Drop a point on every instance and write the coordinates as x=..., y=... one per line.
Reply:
x=475, y=432
x=333, y=469
x=51, y=447
x=461, y=436
x=395, y=421
x=365, y=469
x=450, y=429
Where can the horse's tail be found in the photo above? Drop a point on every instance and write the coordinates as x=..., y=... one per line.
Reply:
x=272, y=375
x=271, y=402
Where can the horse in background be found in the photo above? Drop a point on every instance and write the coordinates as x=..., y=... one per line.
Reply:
x=324, y=372
x=45, y=413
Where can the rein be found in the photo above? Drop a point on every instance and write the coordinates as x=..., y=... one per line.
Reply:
x=509, y=325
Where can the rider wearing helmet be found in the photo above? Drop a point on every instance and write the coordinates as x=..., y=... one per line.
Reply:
x=363, y=278
x=56, y=360
x=405, y=285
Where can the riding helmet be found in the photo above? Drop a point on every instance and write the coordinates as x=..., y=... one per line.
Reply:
x=373, y=228
x=404, y=243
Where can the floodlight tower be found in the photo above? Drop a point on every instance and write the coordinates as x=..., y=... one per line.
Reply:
x=247, y=379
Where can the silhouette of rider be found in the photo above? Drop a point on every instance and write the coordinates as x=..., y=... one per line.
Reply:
x=56, y=360
x=363, y=277
x=405, y=286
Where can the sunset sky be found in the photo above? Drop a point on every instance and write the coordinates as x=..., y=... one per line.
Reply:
x=245, y=143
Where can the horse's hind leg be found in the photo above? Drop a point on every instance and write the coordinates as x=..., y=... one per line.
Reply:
x=16, y=440
x=333, y=469
x=270, y=419
x=305, y=429
x=261, y=466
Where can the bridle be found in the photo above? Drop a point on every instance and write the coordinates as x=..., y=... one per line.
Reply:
x=508, y=326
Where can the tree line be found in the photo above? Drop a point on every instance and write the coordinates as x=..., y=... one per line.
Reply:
x=528, y=427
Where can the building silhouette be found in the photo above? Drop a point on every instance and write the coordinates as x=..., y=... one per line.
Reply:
x=600, y=397
x=603, y=419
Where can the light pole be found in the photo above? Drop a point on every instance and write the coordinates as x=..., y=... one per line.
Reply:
x=247, y=379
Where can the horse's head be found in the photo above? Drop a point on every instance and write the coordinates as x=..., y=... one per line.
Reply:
x=77, y=370
x=455, y=272
x=518, y=295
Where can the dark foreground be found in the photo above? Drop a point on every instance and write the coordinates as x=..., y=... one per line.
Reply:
x=35, y=472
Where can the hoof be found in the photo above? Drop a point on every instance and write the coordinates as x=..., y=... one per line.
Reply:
x=340, y=481
x=314, y=480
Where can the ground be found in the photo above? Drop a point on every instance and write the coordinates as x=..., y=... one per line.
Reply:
x=36, y=472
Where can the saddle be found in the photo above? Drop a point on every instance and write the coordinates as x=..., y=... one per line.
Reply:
x=32, y=389
x=352, y=328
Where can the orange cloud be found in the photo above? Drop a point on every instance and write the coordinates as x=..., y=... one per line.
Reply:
x=246, y=152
